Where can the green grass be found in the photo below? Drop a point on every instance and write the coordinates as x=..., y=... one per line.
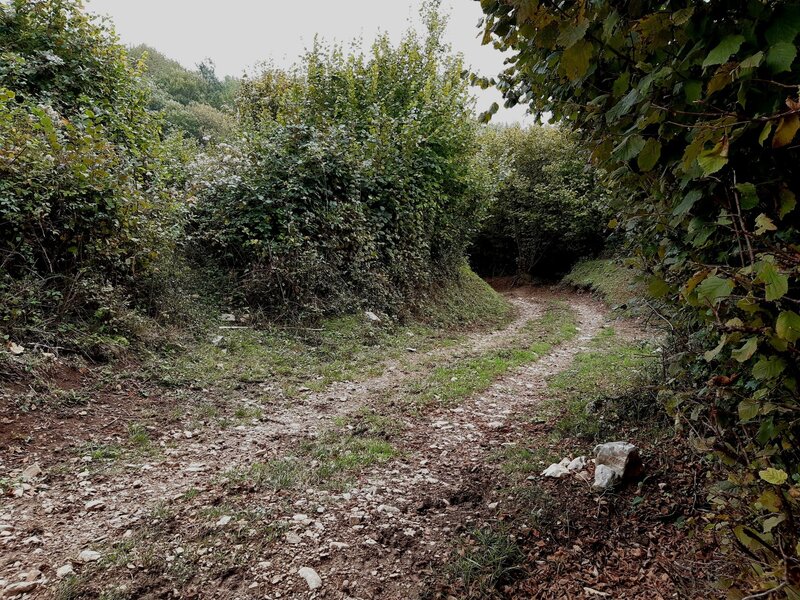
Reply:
x=330, y=460
x=138, y=437
x=449, y=384
x=464, y=303
x=367, y=422
x=488, y=559
x=608, y=383
x=521, y=461
x=338, y=349
x=618, y=283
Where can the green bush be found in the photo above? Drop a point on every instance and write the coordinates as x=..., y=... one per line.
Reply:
x=694, y=108
x=80, y=166
x=548, y=209
x=352, y=181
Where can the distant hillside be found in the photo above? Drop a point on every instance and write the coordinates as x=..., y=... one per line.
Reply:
x=196, y=102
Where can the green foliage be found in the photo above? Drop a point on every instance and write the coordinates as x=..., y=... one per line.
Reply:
x=548, y=209
x=196, y=103
x=352, y=181
x=80, y=167
x=694, y=107
x=487, y=560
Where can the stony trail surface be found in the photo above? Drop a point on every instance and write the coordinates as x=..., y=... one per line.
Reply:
x=387, y=536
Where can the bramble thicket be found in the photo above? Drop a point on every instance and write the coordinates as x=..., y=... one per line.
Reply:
x=693, y=108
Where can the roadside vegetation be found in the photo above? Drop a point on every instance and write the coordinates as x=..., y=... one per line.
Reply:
x=184, y=254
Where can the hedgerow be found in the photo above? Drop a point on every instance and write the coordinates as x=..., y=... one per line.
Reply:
x=547, y=209
x=80, y=168
x=694, y=107
x=351, y=182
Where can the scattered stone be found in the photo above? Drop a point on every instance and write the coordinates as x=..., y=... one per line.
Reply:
x=224, y=520
x=31, y=472
x=557, y=470
x=312, y=578
x=293, y=538
x=15, y=349
x=372, y=317
x=497, y=424
x=390, y=510
x=95, y=505
x=579, y=464
x=89, y=556
x=493, y=505
x=23, y=587
x=228, y=318
x=616, y=461
x=64, y=571
x=216, y=340
x=339, y=546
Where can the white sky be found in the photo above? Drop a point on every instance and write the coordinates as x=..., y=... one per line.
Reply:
x=237, y=34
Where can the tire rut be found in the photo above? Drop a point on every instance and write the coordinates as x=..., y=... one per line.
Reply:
x=394, y=539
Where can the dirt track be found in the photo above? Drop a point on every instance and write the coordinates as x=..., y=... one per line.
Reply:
x=388, y=536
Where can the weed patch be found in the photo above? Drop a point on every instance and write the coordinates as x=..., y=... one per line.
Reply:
x=488, y=559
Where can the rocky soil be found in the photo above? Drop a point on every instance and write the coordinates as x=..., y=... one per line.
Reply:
x=194, y=518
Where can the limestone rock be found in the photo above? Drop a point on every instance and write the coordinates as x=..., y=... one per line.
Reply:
x=577, y=465
x=64, y=571
x=89, y=556
x=615, y=462
x=557, y=470
x=312, y=578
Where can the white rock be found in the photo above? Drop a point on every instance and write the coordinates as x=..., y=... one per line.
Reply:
x=89, y=556
x=556, y=471
x=620, y=458
x=31, y=472
x=391, y=510
x=579, y=464
x=62, y=572
x=224, y=520
x=293, y=538
x=339, y=546
x=229, y=318
x=372, y=317
x=95, y=505
x=605, y=477
x=15, y=349
x=312, y=578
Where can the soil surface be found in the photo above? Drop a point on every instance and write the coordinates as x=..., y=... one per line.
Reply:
x=173, y=523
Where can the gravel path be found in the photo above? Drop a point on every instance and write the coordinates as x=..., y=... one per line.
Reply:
x=386, y=537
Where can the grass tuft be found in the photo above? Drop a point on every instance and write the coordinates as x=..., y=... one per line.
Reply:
x=489, y=559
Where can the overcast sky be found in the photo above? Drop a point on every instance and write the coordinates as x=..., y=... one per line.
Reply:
x=237, y=34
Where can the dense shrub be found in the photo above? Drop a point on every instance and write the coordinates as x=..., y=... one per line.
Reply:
x=80, y=167
x=694, y=107
x=548, y=208
x=351, y=181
